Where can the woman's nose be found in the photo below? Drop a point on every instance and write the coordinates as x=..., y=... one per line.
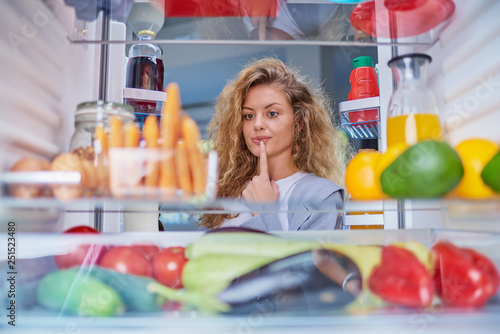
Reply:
x=259, y=123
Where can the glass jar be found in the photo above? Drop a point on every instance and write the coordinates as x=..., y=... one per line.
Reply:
x=89, y=115
x=413, y=114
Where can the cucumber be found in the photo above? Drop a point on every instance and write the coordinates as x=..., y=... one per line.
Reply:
x=75, y=292
x=132, y=289
x=247, y=244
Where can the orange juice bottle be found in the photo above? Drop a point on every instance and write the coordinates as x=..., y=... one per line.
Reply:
x=413, y=114
x=413, y=128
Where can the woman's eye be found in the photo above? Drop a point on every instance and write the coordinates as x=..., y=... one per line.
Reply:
x=272, y=114
x=247, y=116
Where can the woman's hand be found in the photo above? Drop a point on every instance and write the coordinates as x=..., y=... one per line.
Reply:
x=261, y=189
x=261, y=13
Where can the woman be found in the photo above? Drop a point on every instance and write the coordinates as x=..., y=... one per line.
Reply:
x=276, y=144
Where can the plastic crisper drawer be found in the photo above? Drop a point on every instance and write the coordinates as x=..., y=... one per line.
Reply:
x=293, y=296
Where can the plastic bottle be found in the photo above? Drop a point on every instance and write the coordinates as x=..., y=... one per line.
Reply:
x=363, y=79
x=364, y=84
x=145, y=69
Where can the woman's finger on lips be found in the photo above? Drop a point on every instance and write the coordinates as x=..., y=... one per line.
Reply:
x=263, y=162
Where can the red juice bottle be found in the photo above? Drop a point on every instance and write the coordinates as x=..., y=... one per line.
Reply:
x=145, y=70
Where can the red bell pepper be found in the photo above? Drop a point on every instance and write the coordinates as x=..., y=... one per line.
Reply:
x=220, y=8
x=402, y=279
x=463, y=276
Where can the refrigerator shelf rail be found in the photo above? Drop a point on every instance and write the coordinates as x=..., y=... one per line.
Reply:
x=360, y=119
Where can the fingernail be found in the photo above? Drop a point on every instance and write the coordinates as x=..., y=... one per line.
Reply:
x=261, y=143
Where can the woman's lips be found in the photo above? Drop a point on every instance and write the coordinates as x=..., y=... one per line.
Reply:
x=258, y=139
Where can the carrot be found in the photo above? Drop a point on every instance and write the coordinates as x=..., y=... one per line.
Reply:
x=115, y=132
x=100, y=135
x=182, y=168
x=169, y=126
x=131, y=134
x=134, y=170
x=151, y=134
x=192, y=137
x=100, y=162
x=167, y=173
x=171, y=115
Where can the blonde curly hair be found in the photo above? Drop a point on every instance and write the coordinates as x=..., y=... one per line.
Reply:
x=317, y=147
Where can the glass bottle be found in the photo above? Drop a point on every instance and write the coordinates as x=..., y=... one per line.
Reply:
x=413, y=114
x=145, y=69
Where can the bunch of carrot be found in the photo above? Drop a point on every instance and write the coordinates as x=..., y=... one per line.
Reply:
x=181, y=164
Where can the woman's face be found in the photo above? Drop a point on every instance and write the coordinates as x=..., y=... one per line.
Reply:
x=268, y=117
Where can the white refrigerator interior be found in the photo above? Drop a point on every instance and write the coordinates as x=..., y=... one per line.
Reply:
x=50, y=61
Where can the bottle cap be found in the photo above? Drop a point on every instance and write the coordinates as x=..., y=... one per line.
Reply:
x=362, y=61
x=146, y=32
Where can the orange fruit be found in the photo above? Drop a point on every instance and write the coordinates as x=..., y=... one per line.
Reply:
x=361, y=178
x=475, y=154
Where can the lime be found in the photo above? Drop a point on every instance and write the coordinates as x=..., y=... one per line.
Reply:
x=427, y=169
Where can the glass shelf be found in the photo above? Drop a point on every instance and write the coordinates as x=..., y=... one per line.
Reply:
x=458, y=210
x=296, y=22
x=50, y=215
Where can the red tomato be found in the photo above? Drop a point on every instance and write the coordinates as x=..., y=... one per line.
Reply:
x=168, y=264
x=148, y=250
x=127, y=260
x=83, y=254
x=81, y=229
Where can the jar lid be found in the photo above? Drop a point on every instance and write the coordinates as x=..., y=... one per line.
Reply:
x=125, y=111
x=146, y=32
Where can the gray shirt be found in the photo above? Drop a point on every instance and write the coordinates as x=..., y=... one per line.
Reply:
x=314, y=204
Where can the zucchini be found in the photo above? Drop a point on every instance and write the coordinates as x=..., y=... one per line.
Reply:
x=132, y=289
x=212, y=273
x=246, y=244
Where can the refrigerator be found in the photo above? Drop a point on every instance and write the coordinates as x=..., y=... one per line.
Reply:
x=56, y=54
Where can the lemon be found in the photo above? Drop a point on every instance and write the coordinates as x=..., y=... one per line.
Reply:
x=389, y=156
x=475, y=154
